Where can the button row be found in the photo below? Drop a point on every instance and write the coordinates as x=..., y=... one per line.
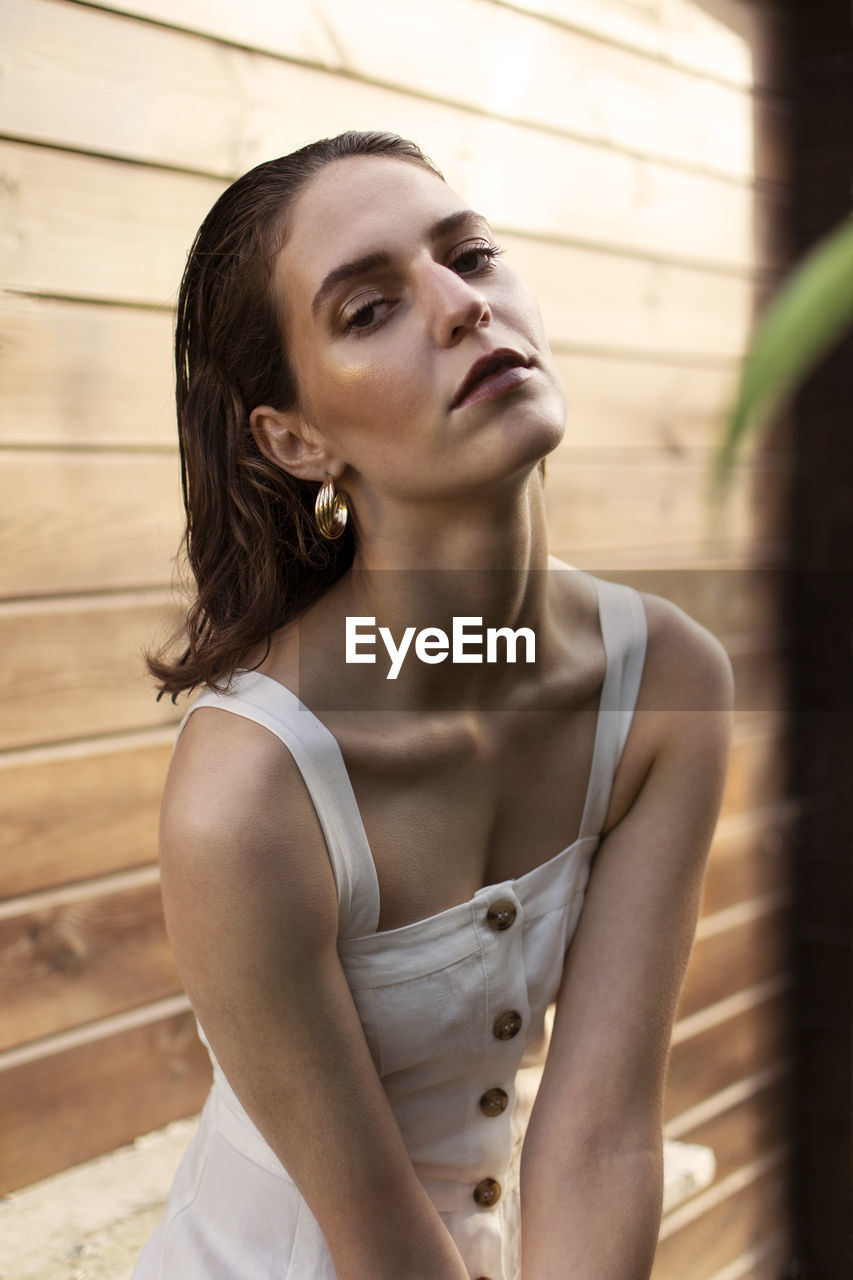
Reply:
x=500, y=915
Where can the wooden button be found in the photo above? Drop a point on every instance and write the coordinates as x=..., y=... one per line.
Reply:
x=494, y=1101
x=507, y=1025
x=501, y=914
x=487, y=1192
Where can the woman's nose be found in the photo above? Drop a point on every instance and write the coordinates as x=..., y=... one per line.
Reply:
x=456, y=307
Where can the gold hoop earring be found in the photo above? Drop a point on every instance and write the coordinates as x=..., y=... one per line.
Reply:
x=330, y=510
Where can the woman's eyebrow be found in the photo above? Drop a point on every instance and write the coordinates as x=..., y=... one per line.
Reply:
x=372, y=261
x=348, y=271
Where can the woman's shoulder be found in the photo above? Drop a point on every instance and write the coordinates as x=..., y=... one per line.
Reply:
x=687, y=667
x=232, y=786
x=241, y=846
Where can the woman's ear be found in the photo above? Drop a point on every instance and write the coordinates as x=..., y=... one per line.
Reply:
x=286, y=439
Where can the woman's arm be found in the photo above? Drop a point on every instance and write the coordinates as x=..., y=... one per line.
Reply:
x=251, y=909
x=591, y=1176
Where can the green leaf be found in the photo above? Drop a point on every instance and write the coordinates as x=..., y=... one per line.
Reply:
x=809, y=314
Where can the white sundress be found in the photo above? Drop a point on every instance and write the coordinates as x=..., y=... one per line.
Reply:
x=452, y=1007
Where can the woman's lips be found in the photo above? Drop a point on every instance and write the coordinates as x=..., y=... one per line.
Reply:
x=495, y=384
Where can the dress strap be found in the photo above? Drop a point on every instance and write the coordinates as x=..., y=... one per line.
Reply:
x=318, y=757
x=624, y=631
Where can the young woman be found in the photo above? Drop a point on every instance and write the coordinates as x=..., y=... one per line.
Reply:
x=378, y=875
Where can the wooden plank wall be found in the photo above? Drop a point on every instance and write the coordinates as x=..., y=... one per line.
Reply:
x=633, y=158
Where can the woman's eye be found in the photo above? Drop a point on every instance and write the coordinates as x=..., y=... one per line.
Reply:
x=364, y=316
x=475, y=258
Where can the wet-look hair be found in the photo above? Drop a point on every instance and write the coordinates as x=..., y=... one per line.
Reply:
x=254, y=553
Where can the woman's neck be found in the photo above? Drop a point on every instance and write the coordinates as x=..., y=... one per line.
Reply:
x=474, y=573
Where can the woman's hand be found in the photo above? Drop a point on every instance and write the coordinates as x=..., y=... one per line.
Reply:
x=591, y=1174
x=251, y=909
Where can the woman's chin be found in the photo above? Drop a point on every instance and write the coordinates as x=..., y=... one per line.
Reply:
x=528, y=447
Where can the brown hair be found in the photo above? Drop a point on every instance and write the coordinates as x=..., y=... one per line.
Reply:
x=251, y=543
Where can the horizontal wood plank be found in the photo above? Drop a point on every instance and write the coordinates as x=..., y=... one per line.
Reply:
x=648, y=401
x=759, y=771
x=748, y=860
x=68, y=1106
x=75, y=668
x=120, y=232
x=754, y=1039
x=619, y=562
x=768, y=1260
x=207, y=93
x=733, y=40
x=651, y=502
x=78, y=955
x=611, y=301
x=745, y=1132
x=752, y=1213
x=76, y=374
x=76, y=522
x=729, y=43
x=750, y=952
x=89, y=811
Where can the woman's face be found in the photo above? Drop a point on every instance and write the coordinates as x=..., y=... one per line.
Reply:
x=391, y=291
